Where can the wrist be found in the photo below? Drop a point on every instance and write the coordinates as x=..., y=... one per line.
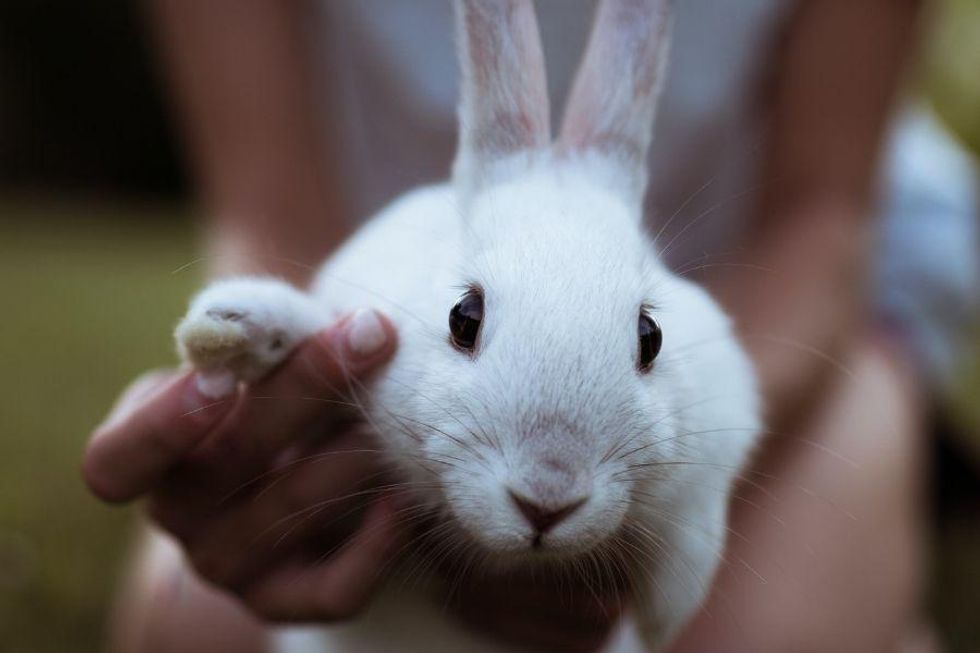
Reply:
x=284, y=249
x=801, y=315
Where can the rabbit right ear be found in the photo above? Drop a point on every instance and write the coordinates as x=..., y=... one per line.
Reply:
x=503, y=107
x=613, y=102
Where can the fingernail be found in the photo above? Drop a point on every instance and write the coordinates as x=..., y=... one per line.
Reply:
x=216, y=385
x=206, y=398
x=365, y=334
x=206, y=395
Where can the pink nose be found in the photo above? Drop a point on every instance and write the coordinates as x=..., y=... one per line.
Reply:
x=542, y=518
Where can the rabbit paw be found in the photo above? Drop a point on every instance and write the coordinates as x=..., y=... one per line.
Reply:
x=239, y=329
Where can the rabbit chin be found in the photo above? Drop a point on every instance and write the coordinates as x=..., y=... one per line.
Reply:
x=501, y=533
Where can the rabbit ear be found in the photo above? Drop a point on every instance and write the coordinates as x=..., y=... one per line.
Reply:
x=613, y=102
x=503, y=108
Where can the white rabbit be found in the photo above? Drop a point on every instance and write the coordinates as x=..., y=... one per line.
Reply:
x=530, y=393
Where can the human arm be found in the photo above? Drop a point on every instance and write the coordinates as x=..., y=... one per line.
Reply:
x=241, y=79
x=839, y=73
x=826, y=551
x=244, y=89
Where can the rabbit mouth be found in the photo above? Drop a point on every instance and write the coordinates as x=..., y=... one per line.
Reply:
x=529, y=549
x=605, y=568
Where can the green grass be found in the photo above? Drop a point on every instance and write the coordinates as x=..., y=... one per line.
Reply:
x=89, y=300
x=952, y=68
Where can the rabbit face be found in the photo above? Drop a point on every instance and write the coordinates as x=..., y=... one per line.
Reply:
x=538, y=412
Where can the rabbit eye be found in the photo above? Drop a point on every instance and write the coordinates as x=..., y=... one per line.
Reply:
x=465, y=319
x=651, y=338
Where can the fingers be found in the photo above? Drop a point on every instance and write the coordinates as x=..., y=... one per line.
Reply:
x=316, y=383
x=155, y=424
x=140, y=389
x=339, y=588
x=320, y=492
x=166, y=437
x=154, y=427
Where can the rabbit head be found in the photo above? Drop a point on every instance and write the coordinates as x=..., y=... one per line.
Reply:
x=578, y=372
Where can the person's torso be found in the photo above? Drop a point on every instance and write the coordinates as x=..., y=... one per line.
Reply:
x=392, y=73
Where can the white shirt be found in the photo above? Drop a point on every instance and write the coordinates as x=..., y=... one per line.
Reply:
x=391, y=73
x=394, y=69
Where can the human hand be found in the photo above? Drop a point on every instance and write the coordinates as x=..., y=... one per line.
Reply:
x=261, y=488
x=255, y=504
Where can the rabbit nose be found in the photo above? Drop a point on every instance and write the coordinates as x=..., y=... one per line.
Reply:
x=542, y=518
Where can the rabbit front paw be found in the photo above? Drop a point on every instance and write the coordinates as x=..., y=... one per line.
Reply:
x=239, y=329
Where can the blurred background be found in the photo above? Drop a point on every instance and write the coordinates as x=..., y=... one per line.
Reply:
x=96, y=233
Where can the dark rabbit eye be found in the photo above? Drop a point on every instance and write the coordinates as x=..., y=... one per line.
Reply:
x=465, y=319
x=651, y=338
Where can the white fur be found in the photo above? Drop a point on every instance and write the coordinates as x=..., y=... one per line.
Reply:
x=240, y=328
x=551, y=403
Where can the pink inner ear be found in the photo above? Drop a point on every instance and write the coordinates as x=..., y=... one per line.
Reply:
x=504, y=103
x=521, y=128
x=613, y=101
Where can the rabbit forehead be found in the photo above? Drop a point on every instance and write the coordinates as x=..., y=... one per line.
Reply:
x=562, y=191
x=556, y=231
x=565, y=269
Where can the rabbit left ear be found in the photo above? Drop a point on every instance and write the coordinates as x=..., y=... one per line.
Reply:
x=613, y=102
x=503, y=108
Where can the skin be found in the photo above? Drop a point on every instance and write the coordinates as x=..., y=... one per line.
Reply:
x=269, y=189
x=192, y=457
x=829, y=505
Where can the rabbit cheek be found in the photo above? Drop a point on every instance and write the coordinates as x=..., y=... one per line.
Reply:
x=482, y=508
